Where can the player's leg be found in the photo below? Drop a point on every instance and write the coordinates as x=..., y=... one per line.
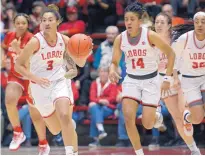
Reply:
x=13, y=93
x=64, y=110
x=40, y=128
x=129, y=108
x=174, y=109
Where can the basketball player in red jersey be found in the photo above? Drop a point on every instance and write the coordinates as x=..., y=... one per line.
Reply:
x=51, y=92
x=17, y=86
x=141, y=84
x=173, y=101
x=191, y=57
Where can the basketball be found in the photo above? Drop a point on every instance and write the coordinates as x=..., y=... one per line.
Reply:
x=80, y=45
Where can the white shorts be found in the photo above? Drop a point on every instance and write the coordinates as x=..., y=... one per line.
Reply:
x=194, y=90
x=146, y=92
x=173, y=91
x=44, y=99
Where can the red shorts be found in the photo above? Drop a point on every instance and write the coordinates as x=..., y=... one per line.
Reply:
x=24, y=84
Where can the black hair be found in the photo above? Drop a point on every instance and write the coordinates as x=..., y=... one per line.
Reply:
x=179, y=30
x=136, y=7
x=22, y=14
x=53, y=9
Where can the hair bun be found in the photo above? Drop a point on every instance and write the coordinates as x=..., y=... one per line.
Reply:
x=53, y=7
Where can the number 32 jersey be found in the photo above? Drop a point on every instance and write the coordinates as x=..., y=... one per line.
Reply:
x=47, y=61
x=141, y=58
x=193, y=56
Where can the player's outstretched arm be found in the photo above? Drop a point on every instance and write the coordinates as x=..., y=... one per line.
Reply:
x=22, y=62
x=165, y=48
x=117, y=54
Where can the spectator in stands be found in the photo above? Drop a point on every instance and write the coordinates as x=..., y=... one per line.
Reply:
x=167, y=8
x=189, y=4
x=101, y=12
x=103, y=54
x=8, y=15
x=102, y=104
x=73, y=26
x=35, y=17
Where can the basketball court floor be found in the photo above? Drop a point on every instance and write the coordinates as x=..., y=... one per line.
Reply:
x=102, y=151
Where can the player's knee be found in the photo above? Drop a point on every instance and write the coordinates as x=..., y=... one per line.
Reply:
x=34, y=113
x=64, y=117
x=11, y=100
x=129, y=120
x=197, y=119
x=147, y=124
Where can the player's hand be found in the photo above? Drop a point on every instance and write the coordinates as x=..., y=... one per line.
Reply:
x=165, y=89
x=15, y=44
x=43, y=82
x=114, y=76
x=177, y=83
x=71, y=74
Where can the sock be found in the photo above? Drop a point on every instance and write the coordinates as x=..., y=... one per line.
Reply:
x=17, y=129
x=43, y=142
x=139, y=152
x=100, y=127
x=69, y=150
x=193, y=147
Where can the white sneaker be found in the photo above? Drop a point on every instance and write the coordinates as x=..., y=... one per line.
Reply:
x=17, y=140
x=196, y=152
x=188, y=127
x=159, y=120
x=44, y=149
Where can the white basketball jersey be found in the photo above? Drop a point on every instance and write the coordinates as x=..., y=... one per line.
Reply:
x=193, y=57
x=48, y=61
x=140, y=58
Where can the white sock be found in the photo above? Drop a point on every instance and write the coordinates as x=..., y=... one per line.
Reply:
x=139, y=152
x=100, y=127
x=193, y=147
x=69, y=150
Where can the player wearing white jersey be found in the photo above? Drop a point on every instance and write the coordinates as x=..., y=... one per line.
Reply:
x=174, y=101
x=141, y=83
x=50, y=90
x=190, y=49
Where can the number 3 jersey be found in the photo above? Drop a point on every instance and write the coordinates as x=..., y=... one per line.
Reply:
x=192, y=55
x=47, y=61
x=140, y=56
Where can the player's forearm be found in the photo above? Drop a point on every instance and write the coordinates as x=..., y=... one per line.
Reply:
x=21, y=69
x=114, y=66
x=170, y=64
x=175, y=74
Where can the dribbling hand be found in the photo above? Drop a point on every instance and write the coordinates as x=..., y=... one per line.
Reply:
x=165, y=88
x=114, y=76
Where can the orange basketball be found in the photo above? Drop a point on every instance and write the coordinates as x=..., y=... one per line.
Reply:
x=80, y=45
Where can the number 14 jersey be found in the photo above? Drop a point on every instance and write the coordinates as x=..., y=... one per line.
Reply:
x=47, y=61
x=140, y=56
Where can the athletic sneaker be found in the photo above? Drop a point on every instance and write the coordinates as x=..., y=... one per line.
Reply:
x=102, y=134
x=17, y=140
x=44, y=149
x=188, y=127
x=159, y=120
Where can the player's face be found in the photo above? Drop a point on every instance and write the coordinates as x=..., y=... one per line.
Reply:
x=161, y=24
x=49, y=22
x=132, y=22
x=21, y=24
x=199, y=25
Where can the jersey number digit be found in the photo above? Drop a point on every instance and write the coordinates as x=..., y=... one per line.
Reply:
x=139, y=63
x=198, y=65
x=50, y=65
